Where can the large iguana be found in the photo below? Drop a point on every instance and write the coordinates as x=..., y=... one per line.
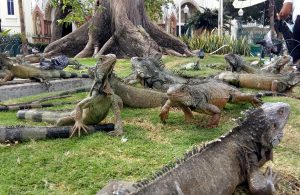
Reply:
x=94, y=108
x=274, y=82
x=238, y=64
x=208, y=97
x=150, y=72
x=219, y=166
x=13, y=70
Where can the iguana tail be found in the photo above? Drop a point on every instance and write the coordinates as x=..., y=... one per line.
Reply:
x=31, y=105
x=270, y=93
x=11, y=134
x=41, y=116
x=138, y=97
x=63, y=74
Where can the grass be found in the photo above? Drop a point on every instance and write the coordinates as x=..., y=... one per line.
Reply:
x=84, y=165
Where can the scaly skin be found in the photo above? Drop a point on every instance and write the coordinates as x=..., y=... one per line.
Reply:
x=219, y=166
x=275, y=83
x=13, y=70
x=94, y=108
x=237, y=64
x=208, y=97
x=150, y=72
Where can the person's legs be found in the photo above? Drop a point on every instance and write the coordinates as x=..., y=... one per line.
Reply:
x=296, y=36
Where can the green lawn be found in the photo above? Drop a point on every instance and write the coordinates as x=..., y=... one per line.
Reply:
x=84, y=165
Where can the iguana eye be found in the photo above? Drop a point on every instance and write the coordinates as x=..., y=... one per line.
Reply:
x=280, y=111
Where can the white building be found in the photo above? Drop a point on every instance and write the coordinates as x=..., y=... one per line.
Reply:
x=39, y=19
x=9, y=15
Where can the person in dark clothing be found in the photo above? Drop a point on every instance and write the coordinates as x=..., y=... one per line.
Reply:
x=293, y=6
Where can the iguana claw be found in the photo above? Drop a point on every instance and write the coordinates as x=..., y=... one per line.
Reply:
x=164, y=113
x=118, y=130
x=78, y=127
x=272, y=178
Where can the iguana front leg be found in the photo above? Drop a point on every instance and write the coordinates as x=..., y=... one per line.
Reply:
x=164, y=111
x=8, y=77
x=258, y=182
x=117, y=112
x=78, y=126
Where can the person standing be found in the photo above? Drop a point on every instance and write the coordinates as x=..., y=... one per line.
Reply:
x=293, y=6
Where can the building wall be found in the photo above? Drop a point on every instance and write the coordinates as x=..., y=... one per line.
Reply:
x=13, y=21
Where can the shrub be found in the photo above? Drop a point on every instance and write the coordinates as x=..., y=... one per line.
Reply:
x=212, y=42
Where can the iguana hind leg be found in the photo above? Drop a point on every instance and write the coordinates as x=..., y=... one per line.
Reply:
x=116, y=108
x=8, y=77
x=65, y=121
x=215, y=112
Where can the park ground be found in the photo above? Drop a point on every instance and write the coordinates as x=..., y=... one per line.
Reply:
x=84, y=165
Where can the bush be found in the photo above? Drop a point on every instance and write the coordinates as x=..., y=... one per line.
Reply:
x=212, y=42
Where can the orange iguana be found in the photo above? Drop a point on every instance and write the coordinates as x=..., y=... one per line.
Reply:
x=208, y=97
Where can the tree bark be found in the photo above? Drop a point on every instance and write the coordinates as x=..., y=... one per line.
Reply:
x=23, y=31
x=57, y=29
x=120, y=27
x=271, y=15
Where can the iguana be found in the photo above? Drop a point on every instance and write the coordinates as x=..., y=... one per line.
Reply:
x=237, y=64
x=94, y=108
x=13, y=70
x=208, y=97
x=218, y=167
x=150, y=72
x=274, y=82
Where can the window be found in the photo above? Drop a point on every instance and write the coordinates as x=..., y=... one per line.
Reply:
x=10, y=7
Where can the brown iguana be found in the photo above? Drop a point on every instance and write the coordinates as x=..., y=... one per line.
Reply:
x=208, y=97
x=274, y=82
x=219, y=166
x=237, y=64
x=94, y=108
x=13, y=70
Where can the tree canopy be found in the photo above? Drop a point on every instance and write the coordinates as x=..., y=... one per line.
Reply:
x=80, y=10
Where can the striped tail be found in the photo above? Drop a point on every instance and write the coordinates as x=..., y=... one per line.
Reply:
x=63, y=74
x=11, y=134
x=31, y=106
x=41, y=116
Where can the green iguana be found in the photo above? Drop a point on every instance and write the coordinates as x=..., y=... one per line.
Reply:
x=94, y=108
x=208, y=97
x=13, y=70
x=274, y=82
x=150, y=72
x=237, y=64
x=219, y=166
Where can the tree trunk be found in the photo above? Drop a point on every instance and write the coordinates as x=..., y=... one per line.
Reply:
x=271, y=15
x=57, y=29
x=120, y=27
x=23, y=31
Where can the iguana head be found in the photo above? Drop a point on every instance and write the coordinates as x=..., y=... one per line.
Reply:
x=235, y=61
x=4, y=61
x=147, y=69
x=277, y=115
x=180, y=94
